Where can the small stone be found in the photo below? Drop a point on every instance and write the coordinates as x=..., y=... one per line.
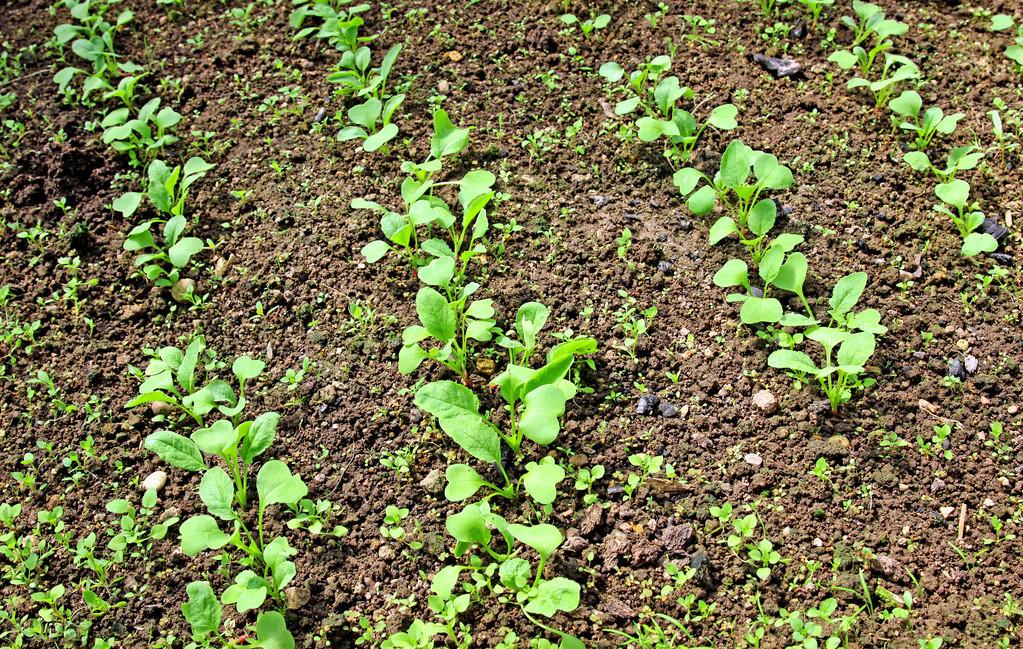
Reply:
x=296, y=597
x=160, y=408
x=386, y=552
x=756, y=291
x=685, y=225
x=599, y=201
x=956, y=369
x=946, y=511
x=779, y=67
x=155, y=481
x=937, y=485
x=676, y=537
x=182, y=289
x=971, y=363
x=765, y=401
x=962, y=344
x=926, y=405
x=443, y=87
x=753, y=459
x=665, y=266
x=433, y=482
x=647, y=404
x=667, y=409
x=991, y=226
x=818, y=543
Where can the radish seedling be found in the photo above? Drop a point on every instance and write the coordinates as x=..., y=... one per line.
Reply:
x=896, y=70
x=813, y=8
x=587, y=27
x=961, y=158
x=966, y=216
x=657, y=99
x=204, y=614
x=744, y=176
x=870, y=21
x=932, y=122
x=144, y=136
x=339, y=27
x=852, y=333
x=92, y=40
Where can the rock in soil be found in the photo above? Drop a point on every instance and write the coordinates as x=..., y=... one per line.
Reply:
x=765, y=401
x=676, y=537
x=647, y=404
x=667, y=409
x=956, y=369
x=433, y=482
x=779, y=67
x=971, y=364
x=155, y=481
x=296, y=597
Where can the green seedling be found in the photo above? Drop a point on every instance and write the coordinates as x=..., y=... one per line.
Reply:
x=648, y=465
x=779, y=268
x=144, y=136
x=172, y=377
x=870, y=21
x=966, y=215
x=372, y=123
x=535, y=401
x=896, y=70
x=657, y=98
x=91, y=38
x=633, y=323
x=742, y=179
x=813, y=9
x=165, y=255
x=410, y=234
x=1002, y=22
x=852, y=334
x=339, y=24
x=959, y=159
x=587, y=27
x=355, y=75
x=204, y=613
x=932, y=122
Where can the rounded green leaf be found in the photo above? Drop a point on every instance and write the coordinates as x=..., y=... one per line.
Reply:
x=374, y=251
x=201, y=533
x=436, y=314
x=978, y=242
x=735, y=272
x=216, y=489
x=723, y=117
x=176, y=450
x=760, y=309
x=463, y=482
x=722, y=228
x=275, y=484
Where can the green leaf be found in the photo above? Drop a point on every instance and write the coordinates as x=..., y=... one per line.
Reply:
x=792, y=274
x=246, y=368
x=447, y=138
x=438, y=272
x=436, y=314
x=686, y=179
x=540, y=419
x=469, y=526
x=218, y=439
x=917, y=160
x=176, y=450
x=770, y=173
x=543, y=537
x=202, y=610
x=760, y=309
x=374, y=251
x=611, y=71
x=248, y=591
x=260, y=436
x=977, y=242
x=216, y=489
x=847, y=292
x=463, y=482
x=201, y=533
x=790, y=359
x=907, y=104
x=735, y=272
x=955, y=192
x=272, y=632
x=553, y=595
x=735, y=163
x=541, y=480
x=127, y=203
x=723, y=117
x=183, y=250
x=702, y=200
x=275, y=484
x=857, y=349
x=380, y=138
x=457, y=410
x=762, y=216
x=1000, y=22
x=724, y=227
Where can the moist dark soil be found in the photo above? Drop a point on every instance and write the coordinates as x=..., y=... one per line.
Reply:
x=286, y=267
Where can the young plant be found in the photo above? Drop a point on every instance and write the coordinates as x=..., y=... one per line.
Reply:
x=870, y=21
x=896, y=69
x=144, y=136
x=959, y=159
x=742, y=179
x=850, y=333
x=161, y=260
x=409, y=233
x=779, y=268
x=372, y=123
x=955, y=194
x=657, y=99
x=813, y=9
x=535, y=401
x=339, y=23
x=925, y=126
x=587, y=27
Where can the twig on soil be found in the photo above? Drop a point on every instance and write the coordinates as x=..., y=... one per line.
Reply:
x=962, y=522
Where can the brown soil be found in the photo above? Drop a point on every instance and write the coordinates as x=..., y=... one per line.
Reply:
x=293, y=245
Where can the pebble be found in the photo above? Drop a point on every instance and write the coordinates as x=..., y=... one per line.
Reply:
x=599, y=201
x=296, y=597
x=753, y=459
x=685, y=225
x=433, y=482
x=956, y=369
x=667, y=409
x=946, y=511
x=765, y=401
x=155, y=481
x=971, y=363
x=647, y=404
x=665, y=266
x=779, y=67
